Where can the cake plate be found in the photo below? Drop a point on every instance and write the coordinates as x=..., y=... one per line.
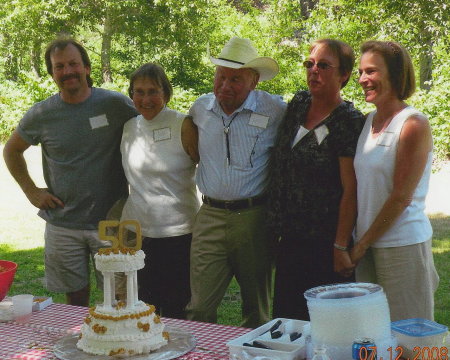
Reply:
x=181, y=342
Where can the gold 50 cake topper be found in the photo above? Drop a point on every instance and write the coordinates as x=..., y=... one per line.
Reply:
x=118, y=238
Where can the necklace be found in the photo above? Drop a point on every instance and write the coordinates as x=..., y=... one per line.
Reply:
x=313, y=120
x=226, y=130
x=380, y=125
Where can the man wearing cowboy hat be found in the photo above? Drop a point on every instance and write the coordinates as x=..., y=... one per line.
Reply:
x=237, y=128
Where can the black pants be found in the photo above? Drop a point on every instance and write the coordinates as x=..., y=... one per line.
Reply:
x=164, y=281
x=302, y=263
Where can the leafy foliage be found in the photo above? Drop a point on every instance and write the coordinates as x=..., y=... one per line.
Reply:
x=13, y=104
x=435, y=104
x=122, y=35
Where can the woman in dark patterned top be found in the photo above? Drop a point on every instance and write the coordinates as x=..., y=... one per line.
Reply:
x=313, y=185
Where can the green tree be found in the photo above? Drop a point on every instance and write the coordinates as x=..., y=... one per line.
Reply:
x=429, y=20
x=122, y=35
x=174, y=33
x=415, y=23
x=27, y=25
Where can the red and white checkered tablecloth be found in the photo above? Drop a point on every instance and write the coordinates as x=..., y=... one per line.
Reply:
x=35, y=340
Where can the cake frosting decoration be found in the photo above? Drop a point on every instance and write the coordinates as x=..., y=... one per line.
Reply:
x=122, y=328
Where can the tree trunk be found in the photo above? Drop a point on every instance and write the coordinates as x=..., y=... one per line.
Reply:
x=11, y=67
x=108, y=31
x=426, y=63
x=11, y=62
x=36, y=59
x=306, y=7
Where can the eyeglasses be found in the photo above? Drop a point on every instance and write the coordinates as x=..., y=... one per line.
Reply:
x=321, y=65
x=142, y=93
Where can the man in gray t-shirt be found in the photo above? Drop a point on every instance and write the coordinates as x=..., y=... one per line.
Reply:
x=79, y=130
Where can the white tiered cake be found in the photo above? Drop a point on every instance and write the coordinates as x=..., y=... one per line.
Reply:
x=121, y=328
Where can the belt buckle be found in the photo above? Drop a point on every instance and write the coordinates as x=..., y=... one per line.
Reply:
x=228, y=204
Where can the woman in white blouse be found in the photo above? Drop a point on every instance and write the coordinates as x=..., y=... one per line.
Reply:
x=159, y=156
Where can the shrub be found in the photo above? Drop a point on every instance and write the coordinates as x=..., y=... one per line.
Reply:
x=14, y=102
x=182, y=99
x=17, y=97
x=436, y=106
x=37, y=89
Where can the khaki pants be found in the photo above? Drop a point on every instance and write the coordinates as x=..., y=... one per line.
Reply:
x=226, y=244
x=68, y=253
x=407, y=275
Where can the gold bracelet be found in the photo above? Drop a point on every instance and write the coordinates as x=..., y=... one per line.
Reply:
x=340, y=247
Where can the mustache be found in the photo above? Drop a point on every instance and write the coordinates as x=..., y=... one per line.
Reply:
x=70, y=76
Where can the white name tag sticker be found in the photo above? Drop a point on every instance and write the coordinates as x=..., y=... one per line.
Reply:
x=258, y=120
x=98, y=121
x=386, y=139
x=321, y=133
x=161, y=134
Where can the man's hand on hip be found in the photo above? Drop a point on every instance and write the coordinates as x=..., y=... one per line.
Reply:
x=42, y=199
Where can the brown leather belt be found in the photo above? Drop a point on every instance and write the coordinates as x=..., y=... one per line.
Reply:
x=235, y=204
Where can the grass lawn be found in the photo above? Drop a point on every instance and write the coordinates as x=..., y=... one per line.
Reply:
x=21, y=240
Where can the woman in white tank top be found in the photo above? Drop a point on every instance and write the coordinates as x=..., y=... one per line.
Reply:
x=393, y=165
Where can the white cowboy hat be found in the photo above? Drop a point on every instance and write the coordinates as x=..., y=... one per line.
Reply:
x=240, y=53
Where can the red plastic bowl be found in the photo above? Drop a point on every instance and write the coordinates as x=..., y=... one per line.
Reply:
x=7, y=272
